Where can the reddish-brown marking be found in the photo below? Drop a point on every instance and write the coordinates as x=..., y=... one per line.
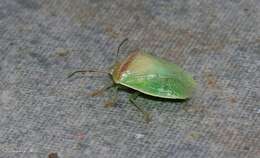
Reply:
x=124, y=65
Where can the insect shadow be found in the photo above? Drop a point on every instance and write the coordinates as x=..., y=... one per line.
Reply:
x=179, y=104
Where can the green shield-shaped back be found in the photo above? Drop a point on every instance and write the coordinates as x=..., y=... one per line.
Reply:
x=155, y=76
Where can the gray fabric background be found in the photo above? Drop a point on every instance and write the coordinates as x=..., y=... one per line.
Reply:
x=41, y=41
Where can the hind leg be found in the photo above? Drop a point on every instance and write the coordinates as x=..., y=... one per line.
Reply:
x=132, y=99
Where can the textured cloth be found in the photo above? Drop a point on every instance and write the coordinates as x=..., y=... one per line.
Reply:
x=42, y=112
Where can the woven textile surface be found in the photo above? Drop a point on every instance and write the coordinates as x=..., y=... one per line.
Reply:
x=42, y=112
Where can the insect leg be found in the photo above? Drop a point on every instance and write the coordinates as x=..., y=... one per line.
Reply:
x=101, y=90
x=113, y=100
x=132, y=99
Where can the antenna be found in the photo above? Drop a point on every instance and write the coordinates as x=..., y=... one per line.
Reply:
x=98, y=71
x=86, y=71
x=126, y=39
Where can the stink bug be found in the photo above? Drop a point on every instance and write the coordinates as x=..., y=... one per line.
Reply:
x=149, y=75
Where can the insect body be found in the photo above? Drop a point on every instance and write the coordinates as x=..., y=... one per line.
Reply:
x=149, y=75
x=153, y=76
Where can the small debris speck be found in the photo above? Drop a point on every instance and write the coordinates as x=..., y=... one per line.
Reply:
x=139, y=136
x=246, y=148
x=53, y=155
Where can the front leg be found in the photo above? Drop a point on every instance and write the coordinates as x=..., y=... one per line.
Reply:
x=101, y=90
x=112, y=101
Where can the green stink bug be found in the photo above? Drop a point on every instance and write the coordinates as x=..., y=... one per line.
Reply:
x=149, y=75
